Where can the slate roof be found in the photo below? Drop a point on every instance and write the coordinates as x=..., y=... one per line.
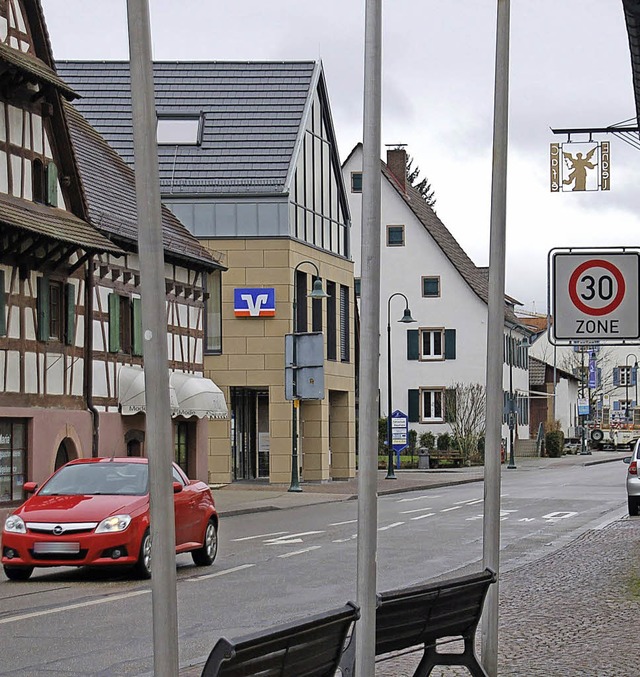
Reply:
x=252, y=117
x=56, y=224
x=632, y=17
x=109, y=186
x=476, y=277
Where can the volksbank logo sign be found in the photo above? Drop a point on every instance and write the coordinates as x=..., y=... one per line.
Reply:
x=254, y=302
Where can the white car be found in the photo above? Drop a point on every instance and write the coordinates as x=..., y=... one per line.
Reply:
x=633, y=480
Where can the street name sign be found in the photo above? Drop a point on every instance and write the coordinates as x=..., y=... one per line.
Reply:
x=399, y=430
x=595, y=296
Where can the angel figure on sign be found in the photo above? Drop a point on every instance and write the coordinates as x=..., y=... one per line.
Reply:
x=578, y=166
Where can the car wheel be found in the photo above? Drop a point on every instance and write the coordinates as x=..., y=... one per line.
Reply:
x=142, y=567
x=597, y=435
x=205, y=555
x=18, y=573
x=633, y=506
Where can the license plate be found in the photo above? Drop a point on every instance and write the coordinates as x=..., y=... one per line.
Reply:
x=56, y=548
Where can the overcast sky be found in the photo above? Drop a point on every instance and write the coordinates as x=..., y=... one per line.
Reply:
x=570, y=67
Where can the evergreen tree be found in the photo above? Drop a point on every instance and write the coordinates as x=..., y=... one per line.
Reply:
x=422, y=186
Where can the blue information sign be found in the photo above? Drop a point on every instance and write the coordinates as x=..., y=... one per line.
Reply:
x=399, y=430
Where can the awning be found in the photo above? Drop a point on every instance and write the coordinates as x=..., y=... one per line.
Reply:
x=198, y=396
x=189, y=395
x=131, y=391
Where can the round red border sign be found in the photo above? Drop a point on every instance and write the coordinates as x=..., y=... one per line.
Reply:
x=573, y=287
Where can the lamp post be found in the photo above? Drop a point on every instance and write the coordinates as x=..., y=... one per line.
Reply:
x=316, y=293
x=406, y=318
x=627, y=374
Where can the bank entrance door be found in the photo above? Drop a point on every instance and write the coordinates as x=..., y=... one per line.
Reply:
x=250, y=433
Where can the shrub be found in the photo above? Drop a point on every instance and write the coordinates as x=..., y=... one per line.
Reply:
x=554, y=443
x=444, y=442
x=427, y=440
x=413, y=437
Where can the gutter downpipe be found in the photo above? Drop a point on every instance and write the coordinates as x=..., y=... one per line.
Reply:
x=88, y=364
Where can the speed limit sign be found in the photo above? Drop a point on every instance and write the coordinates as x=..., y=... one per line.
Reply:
x=595, y=295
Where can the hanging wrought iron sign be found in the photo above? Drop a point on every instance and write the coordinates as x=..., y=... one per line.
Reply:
x=580, y=166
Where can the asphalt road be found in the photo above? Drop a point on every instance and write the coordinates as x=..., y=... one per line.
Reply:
x=278, y=566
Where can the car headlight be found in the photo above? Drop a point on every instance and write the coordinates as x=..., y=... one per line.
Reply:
x=15, y=525
x=113, y=524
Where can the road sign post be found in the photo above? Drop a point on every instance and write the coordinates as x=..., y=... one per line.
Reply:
x=594, y=296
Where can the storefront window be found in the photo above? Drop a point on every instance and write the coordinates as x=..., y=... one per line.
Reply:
x=13, y=458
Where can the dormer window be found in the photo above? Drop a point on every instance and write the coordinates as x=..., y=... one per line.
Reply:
x=44, y=182
x=183, y=130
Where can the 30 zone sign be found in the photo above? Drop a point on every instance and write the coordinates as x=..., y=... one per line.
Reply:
x=595, y=296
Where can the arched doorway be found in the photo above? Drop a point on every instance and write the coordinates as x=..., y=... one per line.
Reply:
x=66, y=452
x=134, y=439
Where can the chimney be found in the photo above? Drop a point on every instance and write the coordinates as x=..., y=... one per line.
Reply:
x=397, y=164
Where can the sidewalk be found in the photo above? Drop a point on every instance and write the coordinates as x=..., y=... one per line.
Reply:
x=569, y=614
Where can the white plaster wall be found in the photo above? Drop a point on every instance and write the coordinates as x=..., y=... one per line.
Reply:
x=30, y=373
x=99, y=378
x=54, y=364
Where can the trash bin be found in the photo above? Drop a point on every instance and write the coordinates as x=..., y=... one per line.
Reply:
x=423, y=459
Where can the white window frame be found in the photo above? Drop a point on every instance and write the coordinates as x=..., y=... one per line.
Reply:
x=434, y=356
x=430, y=416
x=179, y=130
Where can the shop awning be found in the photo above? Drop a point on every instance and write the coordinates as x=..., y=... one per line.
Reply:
x=189, y=394
x=198, y=396
x=131, y=391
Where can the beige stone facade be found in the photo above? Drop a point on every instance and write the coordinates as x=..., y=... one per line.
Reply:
x=253, y=358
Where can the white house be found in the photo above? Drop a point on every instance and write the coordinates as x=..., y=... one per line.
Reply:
x=447, y=295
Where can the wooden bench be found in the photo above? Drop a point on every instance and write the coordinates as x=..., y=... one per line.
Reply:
x=311, y=647
x=425, y=617
x=453, y=456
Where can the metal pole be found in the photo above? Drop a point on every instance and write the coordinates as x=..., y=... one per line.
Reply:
x=583, y=437
x=512, y=410
x=370, y=345
x=495, y=338
x=158, y=412
x=390, y=472
x=626, y=389
x=295, y=480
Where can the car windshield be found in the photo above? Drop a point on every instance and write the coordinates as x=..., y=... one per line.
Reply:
x=91, y=479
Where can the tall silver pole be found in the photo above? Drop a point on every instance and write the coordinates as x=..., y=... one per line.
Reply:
x=495, y=338
x=158, y=416
x=370, y=344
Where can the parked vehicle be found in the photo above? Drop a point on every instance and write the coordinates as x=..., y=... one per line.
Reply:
x=633, y=481
x=95, y=512
x=616, y=437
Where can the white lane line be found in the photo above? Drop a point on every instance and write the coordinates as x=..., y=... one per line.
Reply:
x=477, y=517
x=421, y=517
x=455, y=507
x=339, y=524
x=417, y=498
x=390, y=526
x=469, y=501
x=71, y=607
x=408, y=512
x=291, y=538
x=345, y=540
x=249, y=538
x=299, y=552
x=218, y=573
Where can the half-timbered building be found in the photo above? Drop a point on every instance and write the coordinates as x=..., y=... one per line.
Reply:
x=71, y=365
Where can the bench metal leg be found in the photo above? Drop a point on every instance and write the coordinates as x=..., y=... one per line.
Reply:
x=467, y=658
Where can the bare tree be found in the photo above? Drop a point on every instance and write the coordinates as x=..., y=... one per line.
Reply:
x=468, y=421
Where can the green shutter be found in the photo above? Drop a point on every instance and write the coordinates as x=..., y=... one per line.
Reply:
x=450, y=405
x=114, y=323
x=70, y=328
x=449, y=344
x=3, y=306
x=414, y=406
x=413, y=349
x=52, y=184
x=42, y=304
x=137, y=327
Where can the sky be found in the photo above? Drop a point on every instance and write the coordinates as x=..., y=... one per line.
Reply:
x=570, y=67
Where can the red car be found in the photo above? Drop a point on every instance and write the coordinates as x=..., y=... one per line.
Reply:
x=95, y=512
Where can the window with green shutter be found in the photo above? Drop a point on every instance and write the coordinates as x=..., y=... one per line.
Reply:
x=42, y=306
x=414, y=406
x=52, y=185
x=3, y=306
x=413, y=348
x=450, y=405
x=137, y=327
x=114, y=323
x=70, y=323
x=449, y=344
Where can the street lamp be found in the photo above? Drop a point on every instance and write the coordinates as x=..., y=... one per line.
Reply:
x=316, y=293
x=627, y=374
x=512, y=411
x=406, y=318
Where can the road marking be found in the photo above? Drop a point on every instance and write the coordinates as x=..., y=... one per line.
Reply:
x=390, y=526
x=555, y=516
x=291, y=538
x=300, y=552
x=71, y=607
x=421, y=517
x=417, y=498
x=345, y=540
x=408, y=512
x=470, y=501
x=477, y=517
x=218, y=573
x=455, y=507
x=249, y=538
x=339, y=524
x=527, y=519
